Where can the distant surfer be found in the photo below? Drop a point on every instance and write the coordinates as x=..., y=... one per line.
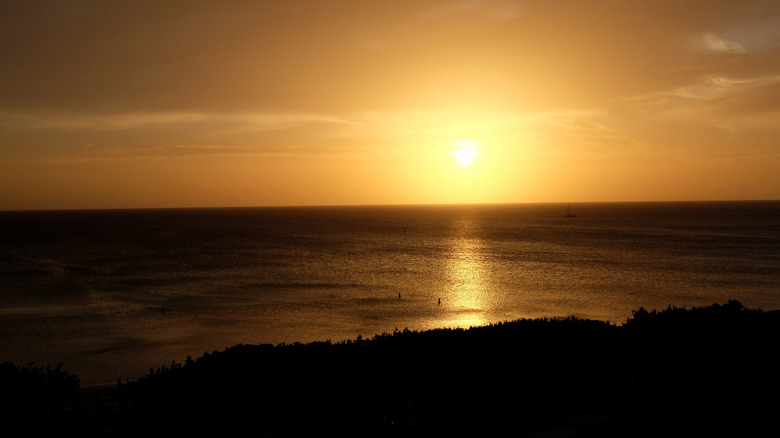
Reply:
x=440, y=301
x=399, y=295
x=163, y=309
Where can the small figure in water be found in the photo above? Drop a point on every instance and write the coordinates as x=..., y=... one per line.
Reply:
x=399, y=295
x=163, y=309
x=440, y=301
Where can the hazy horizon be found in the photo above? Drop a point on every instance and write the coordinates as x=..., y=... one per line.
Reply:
x=455, y=204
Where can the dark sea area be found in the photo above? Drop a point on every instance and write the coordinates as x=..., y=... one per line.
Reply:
x=113, y=293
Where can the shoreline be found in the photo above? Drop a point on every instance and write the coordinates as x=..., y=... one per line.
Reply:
x=110, y=382
x=675, y=369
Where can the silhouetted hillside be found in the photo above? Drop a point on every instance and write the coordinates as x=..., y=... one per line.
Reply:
x=679, y=372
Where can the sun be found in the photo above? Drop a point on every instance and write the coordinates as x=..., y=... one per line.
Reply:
x=465, y=153
x=465, y=157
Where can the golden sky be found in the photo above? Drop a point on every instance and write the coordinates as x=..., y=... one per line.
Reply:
x=134, y=103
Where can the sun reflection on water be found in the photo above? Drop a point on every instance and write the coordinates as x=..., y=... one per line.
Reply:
x=466, y=298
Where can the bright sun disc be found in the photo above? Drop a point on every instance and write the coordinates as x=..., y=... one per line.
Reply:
x=465, y=157
x=465, y=153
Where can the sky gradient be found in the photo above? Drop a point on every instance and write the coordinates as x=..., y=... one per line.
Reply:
x=135, y=104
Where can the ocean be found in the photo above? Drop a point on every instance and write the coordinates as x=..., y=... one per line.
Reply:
x=113, y=293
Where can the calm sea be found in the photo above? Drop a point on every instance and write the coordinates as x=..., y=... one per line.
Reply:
x=112, y=293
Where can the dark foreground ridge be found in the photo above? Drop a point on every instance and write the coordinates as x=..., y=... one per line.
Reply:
x=708, y=371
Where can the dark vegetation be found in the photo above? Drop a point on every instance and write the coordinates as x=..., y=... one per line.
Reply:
x=34, y=388
x=709, y=371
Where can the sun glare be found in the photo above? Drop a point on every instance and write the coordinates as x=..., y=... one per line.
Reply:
x=465, y=153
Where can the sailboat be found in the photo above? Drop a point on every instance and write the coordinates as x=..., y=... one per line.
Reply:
x=568, y=211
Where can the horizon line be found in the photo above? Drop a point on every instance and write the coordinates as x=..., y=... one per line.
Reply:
x=442, y=204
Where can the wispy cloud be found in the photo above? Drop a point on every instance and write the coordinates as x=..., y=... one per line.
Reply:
x=728, y=103
x=238, y=122
x=709, y=42
x=168, y=150
x=165, y=134
x=710, y=87
x=757, y=35
x=90, y=153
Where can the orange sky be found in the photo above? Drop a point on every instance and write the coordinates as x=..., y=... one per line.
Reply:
x=131, y=103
